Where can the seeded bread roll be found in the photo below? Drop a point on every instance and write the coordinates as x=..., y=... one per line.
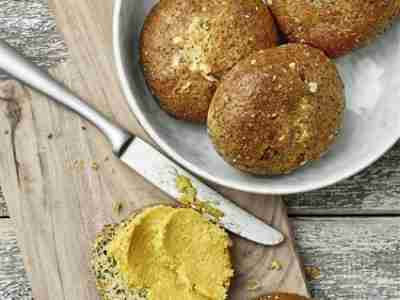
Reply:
x=335, y=26
x=109, y=284
x=282, y=296
x=188, y=45
x=277, y=109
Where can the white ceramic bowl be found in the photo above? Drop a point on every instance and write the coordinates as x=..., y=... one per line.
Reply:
x=371, y=125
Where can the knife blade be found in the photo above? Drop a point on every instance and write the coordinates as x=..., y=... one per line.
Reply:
x=147, y=161
x=163, y=172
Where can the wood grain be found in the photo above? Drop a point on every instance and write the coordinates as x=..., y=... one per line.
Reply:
x=376, y=190
x=3, y=206
x=358, y=257
x=28, y=26
x=59, y=202
x=13, y=281
x=362, y=264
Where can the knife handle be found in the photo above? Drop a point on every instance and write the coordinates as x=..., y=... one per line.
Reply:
x=22, y=69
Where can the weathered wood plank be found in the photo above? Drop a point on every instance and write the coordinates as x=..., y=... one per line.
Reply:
x=13, y=280
x=357, y=257
x=28, y=26
x=376, y=190
x=3, y=206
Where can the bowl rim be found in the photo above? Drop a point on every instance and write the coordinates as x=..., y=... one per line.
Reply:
x=263, y=190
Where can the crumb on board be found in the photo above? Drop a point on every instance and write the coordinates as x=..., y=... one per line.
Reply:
x=276, y=265
x=253, y=285
x=95, y=166
x=79, y=164
x=76, y=164
x=117, y=207
x=312, y=272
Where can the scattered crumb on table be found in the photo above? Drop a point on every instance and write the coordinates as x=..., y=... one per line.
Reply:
x=117, y=207
x=252, y=285
x=95, y=166
x=276, y=265
x=312, y=272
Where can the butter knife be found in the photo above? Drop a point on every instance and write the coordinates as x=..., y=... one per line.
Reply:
x=139, y=155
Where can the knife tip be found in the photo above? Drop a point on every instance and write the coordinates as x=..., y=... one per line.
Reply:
x=279, y=239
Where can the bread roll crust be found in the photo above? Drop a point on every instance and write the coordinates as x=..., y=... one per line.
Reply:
x=188, y=45
x=336, y=27
x=277, y=110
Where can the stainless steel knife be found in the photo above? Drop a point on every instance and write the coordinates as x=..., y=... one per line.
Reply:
x=139, y=155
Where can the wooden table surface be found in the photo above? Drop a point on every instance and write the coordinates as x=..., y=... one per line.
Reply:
x=349, y=233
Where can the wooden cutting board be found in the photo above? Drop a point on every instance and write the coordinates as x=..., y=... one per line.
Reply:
x=61, y=180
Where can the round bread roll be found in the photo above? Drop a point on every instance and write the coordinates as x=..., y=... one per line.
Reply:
x=336, y=27
x=282, y=296
x=188, y=45
x=277, y=110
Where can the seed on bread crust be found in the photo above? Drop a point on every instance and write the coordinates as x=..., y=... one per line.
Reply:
x=188, y=45
x=269, y=118
x=335, y=26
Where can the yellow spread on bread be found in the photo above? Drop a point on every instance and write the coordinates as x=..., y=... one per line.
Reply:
x=174, y=253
